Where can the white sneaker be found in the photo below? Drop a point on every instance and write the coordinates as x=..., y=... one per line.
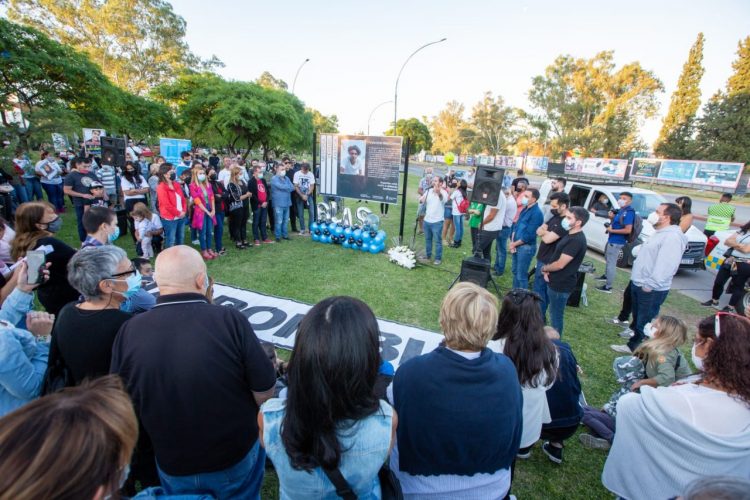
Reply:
x=196, y=242
x=626, y=333
x=621, y=348
x=616, y=321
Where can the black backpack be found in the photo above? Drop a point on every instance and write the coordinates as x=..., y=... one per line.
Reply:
x=635, y=231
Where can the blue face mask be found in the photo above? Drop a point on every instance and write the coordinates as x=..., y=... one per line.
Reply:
x=134, y=285
x=565, y=224
x=524, y=201
x=112, y=237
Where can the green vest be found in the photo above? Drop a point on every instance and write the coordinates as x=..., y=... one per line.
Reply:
x=719, y=217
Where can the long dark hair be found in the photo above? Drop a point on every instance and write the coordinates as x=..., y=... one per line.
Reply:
x=463, y=186
x=164, y=169
x=331, y=375
x=136, y=179
x=685, y=203
x=520, y=324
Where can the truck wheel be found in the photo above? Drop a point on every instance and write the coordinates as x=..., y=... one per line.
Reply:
x=625, y=257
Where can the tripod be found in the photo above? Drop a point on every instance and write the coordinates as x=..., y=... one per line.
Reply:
x=477, y=266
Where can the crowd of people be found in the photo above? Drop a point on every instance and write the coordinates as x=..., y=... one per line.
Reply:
x=111, y=391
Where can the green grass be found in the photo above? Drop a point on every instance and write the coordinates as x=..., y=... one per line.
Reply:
x=307, y=271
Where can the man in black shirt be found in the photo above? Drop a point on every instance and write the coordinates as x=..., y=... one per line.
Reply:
x=197, y=376
x=520, y=177
x=76, y=185
x=550, y=232
x=561, y=273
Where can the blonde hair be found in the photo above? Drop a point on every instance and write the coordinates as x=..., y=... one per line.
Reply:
x=468, y=317
x=68, y=444
x=141, y=210
x=672, y=333
x=28, y=215
x=194, y=176
x=234, y=174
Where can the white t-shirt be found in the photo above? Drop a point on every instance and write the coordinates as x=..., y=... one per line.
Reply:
x=357, y=169
x=456, y=198
x=304, y=181
x=707, y=409
x=224, y=176
x=510, y=211
x=434, y=206
x=496, y=224
x=156, y=223
x=127, y=186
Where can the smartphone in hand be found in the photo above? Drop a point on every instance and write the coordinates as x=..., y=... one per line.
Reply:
x=35, y=260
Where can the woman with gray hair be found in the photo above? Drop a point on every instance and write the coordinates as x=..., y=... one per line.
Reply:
x=84, y=332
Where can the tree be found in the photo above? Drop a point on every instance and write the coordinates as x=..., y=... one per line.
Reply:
x=676, y=135
x=417, y=133
x=323, y=124
x=739, y=82
x=588, y=104
x=137, y=43
x=271, y=82
x=492, y=120
x=446, y=128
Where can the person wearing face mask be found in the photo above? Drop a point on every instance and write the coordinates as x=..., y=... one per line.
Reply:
x=657, y=262
x=172, y=206
x=223, y=373
x=281, y=192
x=36, y=226
x=220, y=198
x=76, y=185
x=101, y=227
x=561, y=274
x=523, y=237
x=203, y=219
x=550, y=232
x=134, y=189
x=84, y=332
x=618, y=231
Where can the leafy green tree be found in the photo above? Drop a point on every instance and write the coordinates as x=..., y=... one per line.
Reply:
x=676, y=135
x=417, y=132
x=590, y=105
x=492, y=122
x=137, y=43
x=324, y=124
x=269, y=81
x=446, y=128
x=739, y=82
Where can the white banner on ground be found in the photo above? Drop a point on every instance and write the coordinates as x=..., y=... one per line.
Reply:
x=275, y=320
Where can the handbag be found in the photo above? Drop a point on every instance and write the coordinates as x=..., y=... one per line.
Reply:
x=235, y=203
x=390, y=488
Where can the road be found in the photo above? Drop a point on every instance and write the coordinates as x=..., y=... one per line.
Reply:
x=694, y=284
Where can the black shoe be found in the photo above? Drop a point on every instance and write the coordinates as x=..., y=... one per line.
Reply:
x=604, y=288
x=286, y=237
x=710, y=303
x=603, y=277
x=524, y=453
x=277, y=240
x=239, y=246
x=553, y=452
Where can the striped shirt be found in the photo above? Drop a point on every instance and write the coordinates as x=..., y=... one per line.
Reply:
x=106, y=175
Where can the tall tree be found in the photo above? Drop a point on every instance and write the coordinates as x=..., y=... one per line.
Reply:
x=323, y=124
x=446, y=128
x=676, y=135
x=417, y=132
x=269, y=81
x=590, y=105
x=492, y=120
x=137, y=43
x=739, y=82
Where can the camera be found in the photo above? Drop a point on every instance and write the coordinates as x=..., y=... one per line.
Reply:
x=607, y=224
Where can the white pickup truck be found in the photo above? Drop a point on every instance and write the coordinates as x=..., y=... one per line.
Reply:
x=645, y=201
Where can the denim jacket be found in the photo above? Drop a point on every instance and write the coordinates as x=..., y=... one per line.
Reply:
x=23, y=360
x=528, y=222
x=364, y=448
x=281, y=191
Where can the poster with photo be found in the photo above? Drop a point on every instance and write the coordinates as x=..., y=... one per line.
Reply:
x=726, y=175
x=604, y=167
x=60, y=142
x=92, y=140
x=645, y=168
x=360, y=167
x=170, y=149
x=677, y=170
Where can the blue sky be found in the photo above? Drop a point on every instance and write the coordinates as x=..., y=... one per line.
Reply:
x=356, y=49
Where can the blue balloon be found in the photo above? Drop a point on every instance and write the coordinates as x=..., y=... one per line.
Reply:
x=339, y=231
x=357, y=234
x=313, y=226
x=381, y=246
x=346, y=244
x=379, y=239
x=374, y=248
x=381, y=233
x=315, y=236
x=323, y=227
x=348, y=232
x=366, y=237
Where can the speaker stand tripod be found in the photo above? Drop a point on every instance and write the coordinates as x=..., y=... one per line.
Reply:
x=478, y=259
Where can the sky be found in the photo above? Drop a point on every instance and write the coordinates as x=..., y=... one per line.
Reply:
x=356, y=49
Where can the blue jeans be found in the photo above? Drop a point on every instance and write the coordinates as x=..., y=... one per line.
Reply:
x=458, y=223
x=219, y=231
x=501, y=250
x=79, y=221
x=174, y=232
x=55, y=195
x=434, y=230
x=646, y=306
x=540, y=287
x=33, y=188
x=239, y=482
x=520, y=265
x=281, y=220
x=301, y=212
x=557, y=302
x=204, y=233
x=21, y=195
x=259, y=223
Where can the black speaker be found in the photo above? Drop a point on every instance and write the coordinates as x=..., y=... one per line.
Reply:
x=488, y=184
x=113, y=152
x=476, y=270
x=555, y=169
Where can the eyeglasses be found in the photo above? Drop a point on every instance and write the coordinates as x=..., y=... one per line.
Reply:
x=518, y=295
x=132, y=270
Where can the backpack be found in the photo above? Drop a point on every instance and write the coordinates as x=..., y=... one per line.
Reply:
x=635, y=231
x=463, y=207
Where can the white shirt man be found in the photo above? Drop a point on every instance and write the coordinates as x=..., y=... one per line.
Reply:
x=494, y=217
x=434, y=200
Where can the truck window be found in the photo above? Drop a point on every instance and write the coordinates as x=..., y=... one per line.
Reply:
x=578, y=196
x=597, y=206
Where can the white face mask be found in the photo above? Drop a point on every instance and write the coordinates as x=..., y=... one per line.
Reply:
x=621, y=203
x=697, y=361
x=653, y=218
x=649, y=330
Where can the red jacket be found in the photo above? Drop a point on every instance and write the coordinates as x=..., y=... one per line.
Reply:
x=167, y=199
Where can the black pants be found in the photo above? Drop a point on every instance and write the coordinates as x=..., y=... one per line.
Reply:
x=708, y=233
x=293, y=213
x=474, y=237
x=737, y=285
x=384, y=209
x=485, y=243
x=627, y=305
x=238, y=224
x=558, y=434
x=270, y=214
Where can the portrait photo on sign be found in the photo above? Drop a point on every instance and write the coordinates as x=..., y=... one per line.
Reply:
x=353, y=157
x=92, y=140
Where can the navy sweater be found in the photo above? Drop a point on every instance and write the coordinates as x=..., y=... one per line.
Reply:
x=563, y=396
x=457, y=416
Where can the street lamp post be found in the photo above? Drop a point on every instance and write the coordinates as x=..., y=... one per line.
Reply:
x=395, y=94
x=294, y=83
x=373, y=111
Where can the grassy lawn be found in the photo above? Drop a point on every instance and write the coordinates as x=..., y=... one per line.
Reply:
x=308, y=272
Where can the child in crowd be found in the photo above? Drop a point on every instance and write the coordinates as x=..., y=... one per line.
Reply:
x=100, y=196
x=656, y=363
x=108, y=177
x=563, y=399
x=143, y=228
x=156, y=229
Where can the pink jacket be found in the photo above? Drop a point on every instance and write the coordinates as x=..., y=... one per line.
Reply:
x=196, y=194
